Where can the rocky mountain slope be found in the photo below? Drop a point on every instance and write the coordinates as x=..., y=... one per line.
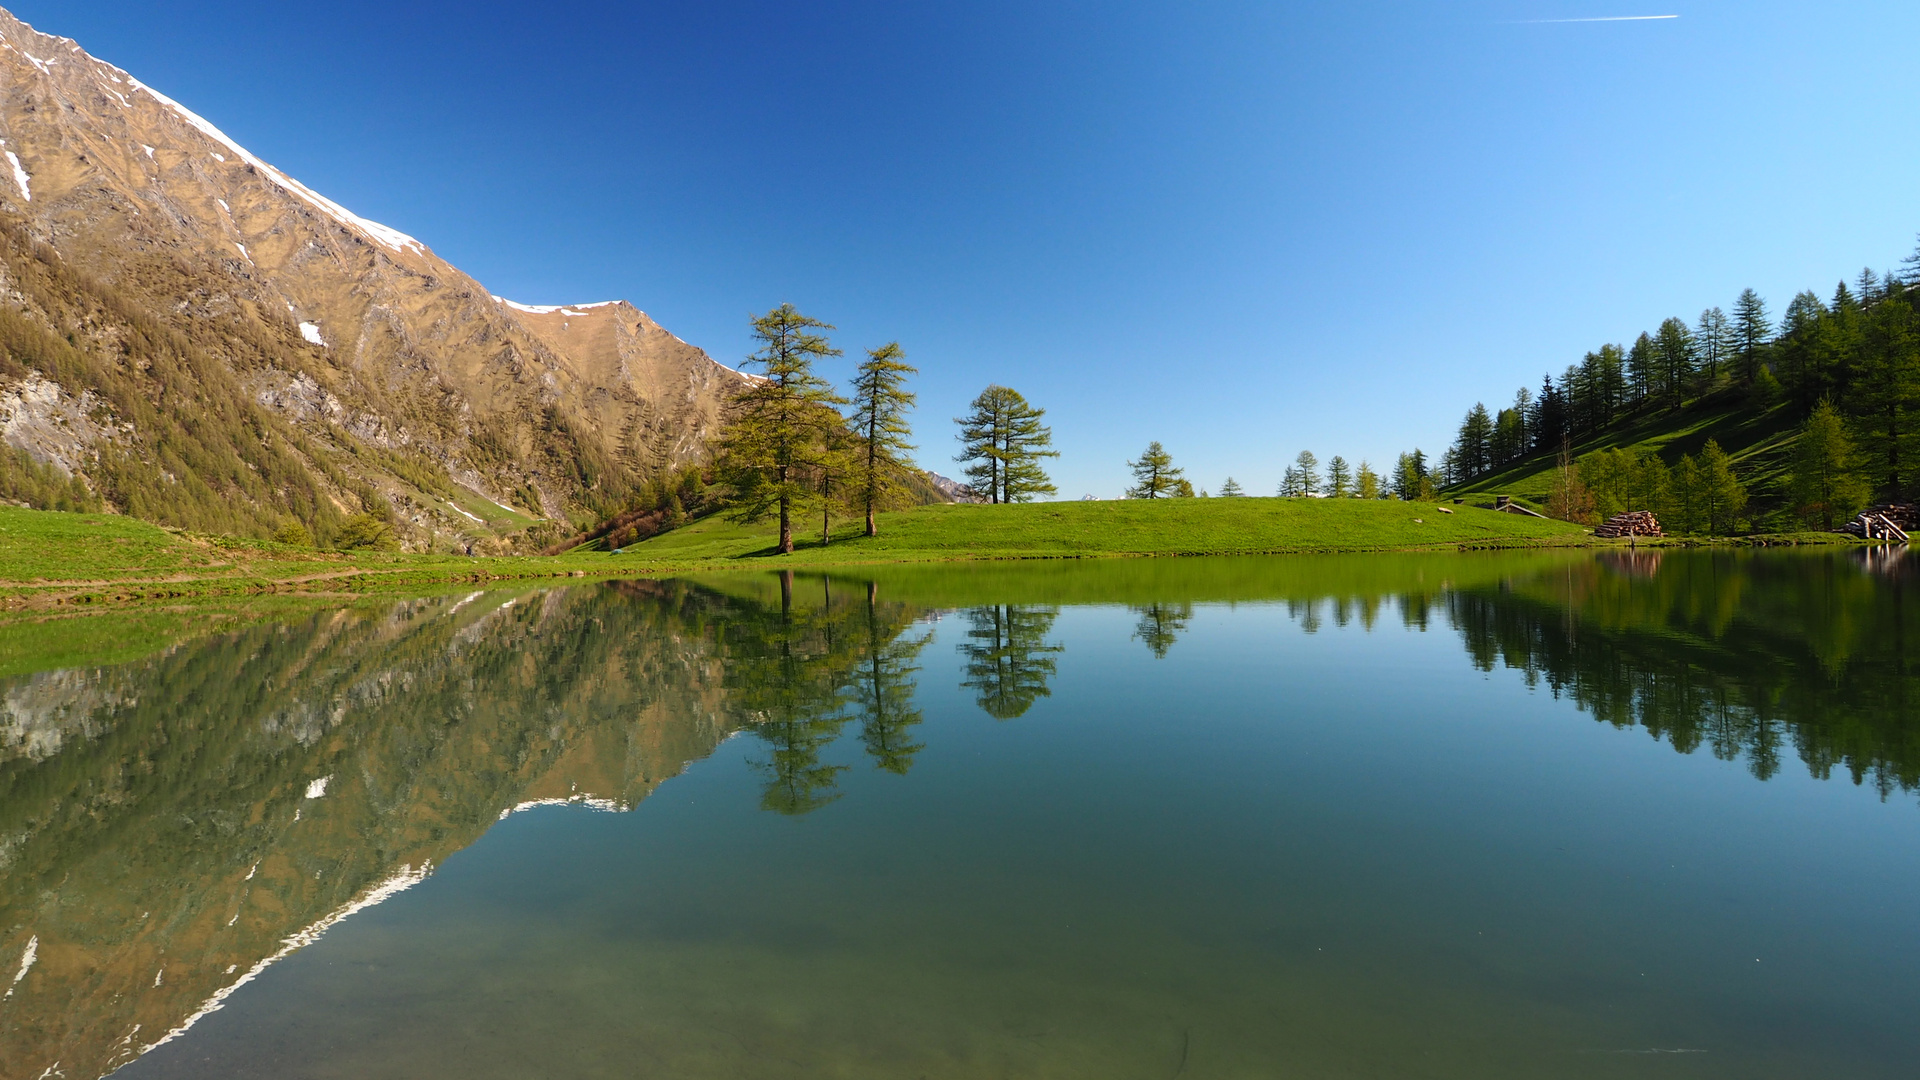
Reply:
x=299, y=362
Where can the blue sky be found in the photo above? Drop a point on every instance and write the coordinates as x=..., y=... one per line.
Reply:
x=1242, y=229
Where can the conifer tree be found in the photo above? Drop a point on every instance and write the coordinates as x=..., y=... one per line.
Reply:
x=1306, y=473
x=1868, y=284
x=1687, y=496
x=1722, y=497
x=1473, y=449
x=1674, y=348
x=1643, y=368
x=1366, y=482
x=880, y=405
x=1885, y=394
x=1714, y=339
x=1004, y=440
x=1751, y=329
x=1154, y=476
x=776, y=438
x=1231, y=489
x=1826, y=485
x=1339, y=478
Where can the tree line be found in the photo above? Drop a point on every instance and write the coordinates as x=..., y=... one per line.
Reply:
x=787, y=449
x=1845, y=369
x=1156, y=477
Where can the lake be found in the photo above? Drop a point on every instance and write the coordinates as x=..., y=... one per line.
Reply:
x=1567, y=814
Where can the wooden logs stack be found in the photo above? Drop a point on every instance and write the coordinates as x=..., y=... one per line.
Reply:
x=1631, y=523
x=1876, y=524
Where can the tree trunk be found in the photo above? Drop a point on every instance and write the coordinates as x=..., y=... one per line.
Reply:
x=872, y=529
x=786, y=526
x=826, y=520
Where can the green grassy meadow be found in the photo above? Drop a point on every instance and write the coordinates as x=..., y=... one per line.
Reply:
x=1132, y=527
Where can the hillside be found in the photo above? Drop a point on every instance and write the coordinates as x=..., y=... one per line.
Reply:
x=1745, y=382
x=205, y=342
x=1759, y=439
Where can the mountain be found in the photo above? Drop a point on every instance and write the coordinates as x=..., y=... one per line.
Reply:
x=202, y=340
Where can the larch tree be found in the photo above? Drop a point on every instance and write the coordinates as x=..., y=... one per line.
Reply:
x=880, y=406
x=1473, y=449
x=776, y=438
x=1674, y=348
x=1869, y=285
x=1306, y=471
x=1231, y=489
x=1366, y=482
x=1715, y=343
x=1154, y=476
x=1339, y=478
x=1722, y=498
x=1826, y=483
x=1004, y=441
x=1751, y=328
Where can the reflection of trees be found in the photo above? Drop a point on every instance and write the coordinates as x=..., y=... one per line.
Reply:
x=1750, y=657
x=1008, y=658
x=1161, y=625
x=884, y=694
x=795, y=673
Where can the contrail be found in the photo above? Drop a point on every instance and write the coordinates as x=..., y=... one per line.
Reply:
x=1600, y=18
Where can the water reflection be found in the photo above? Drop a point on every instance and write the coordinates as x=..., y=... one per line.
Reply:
x=1161, y=625
x=1750, y=657
x=168, y=825
x=1009, y=660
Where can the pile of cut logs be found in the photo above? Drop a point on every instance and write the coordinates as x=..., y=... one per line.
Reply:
x=1631, y=523
x=1878, y=524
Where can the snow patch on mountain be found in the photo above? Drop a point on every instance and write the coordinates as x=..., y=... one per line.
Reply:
x=311, y=332
x=548, y=309
x=390, y=238
x=19, y=174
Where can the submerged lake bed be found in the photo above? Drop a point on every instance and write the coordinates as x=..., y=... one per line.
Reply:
x=1543, y=813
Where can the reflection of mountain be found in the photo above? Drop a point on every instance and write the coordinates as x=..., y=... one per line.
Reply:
x=168, y=824
x=1753, y=657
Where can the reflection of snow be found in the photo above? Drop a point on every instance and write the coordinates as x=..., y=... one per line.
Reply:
x=605, y=806
x=26, y=961
x=403, y=879
x=318, y=788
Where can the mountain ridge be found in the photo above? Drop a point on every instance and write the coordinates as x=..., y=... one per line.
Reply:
x=366, y=345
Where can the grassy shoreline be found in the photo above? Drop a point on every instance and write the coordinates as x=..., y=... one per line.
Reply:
x=52, y=560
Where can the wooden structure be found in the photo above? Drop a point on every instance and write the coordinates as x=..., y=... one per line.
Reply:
x=1504, y=504
x=1631, y=523
x=1879, y=524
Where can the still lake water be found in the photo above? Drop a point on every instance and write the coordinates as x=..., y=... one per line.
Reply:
x=1522, y=815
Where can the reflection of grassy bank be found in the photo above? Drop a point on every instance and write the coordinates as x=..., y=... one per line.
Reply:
x=1246, y=579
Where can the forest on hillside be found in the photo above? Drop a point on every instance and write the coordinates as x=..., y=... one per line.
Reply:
x=1845, y=367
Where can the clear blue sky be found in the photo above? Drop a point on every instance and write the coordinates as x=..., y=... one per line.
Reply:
x=1242, y=229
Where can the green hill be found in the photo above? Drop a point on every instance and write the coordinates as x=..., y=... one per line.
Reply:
x=1130, y=527
x=1743, y=382
x=1760, y=441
